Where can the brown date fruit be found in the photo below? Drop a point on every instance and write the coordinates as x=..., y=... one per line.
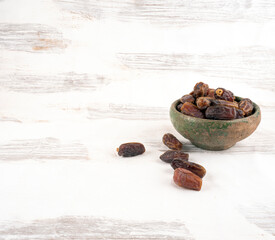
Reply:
x=239, y=113
x=210, y=92
x=171, y=141
x=193, y=167
x=203, y=102
x=130, y=149
x=246, y=106
x=200, y=90
x=191, y=110
x=187, y=98
x=215, y=102
x=220, y=113
x=186, y=179
x=221, y=93
x=179, y=106
x=170, y=155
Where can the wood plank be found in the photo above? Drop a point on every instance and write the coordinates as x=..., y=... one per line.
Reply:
x=247, y=65
x=259, y=142
x=128, y=112
x=76, y=227
x=42, y=149
x=29, y=37
x=261, y=215
x=171, y=12
x=21, y=81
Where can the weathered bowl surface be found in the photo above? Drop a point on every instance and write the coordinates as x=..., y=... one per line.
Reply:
x=214, y=134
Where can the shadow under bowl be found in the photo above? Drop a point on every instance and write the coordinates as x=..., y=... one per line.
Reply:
x=211, y=134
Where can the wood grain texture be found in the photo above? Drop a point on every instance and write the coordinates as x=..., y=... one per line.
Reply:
x=9, y=119
x=261, y=215
x=244, y=64
x=21, y=81
x=30, y=37
x=76, y=227
x=258, y=142
x=176, y=13
x=42, y=149
x=128, y=112
x=80, y=77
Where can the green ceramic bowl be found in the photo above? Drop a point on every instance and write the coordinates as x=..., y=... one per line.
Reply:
x=214, y=134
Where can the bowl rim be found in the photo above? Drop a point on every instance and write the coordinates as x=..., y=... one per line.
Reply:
x=256, y=107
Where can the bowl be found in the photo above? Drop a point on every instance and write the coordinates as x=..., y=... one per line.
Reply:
x=214, y=134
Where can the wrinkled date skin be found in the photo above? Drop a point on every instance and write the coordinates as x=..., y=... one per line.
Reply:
x=187, y=98
x=186, y=179
x=239, y=114
x=220, y=113
x=200, y=90
x=215, y=102
x=179, y=106
x=191, y=110
x=192, y=167
x=246, y=106
x=130, y=149
x=170, y=155
x=203, y=102
x=211, y=93
x=171, y=141
x=221, y=93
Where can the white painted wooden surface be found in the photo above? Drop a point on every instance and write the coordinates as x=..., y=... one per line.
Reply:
x=78, y=78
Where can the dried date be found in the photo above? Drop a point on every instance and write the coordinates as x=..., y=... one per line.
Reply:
x=239, y=113
x=171, y=141
x=193, y=167
x=203, y=102
x=130, y=149
x=215, y=102
x=186, y=179
x=246, y=106
x=187, y=98
x=179, y=106
x=211, y=93
x=170, y=155
x=200, y=90
x=220, y=113
x=221, y=93
x=191, y=110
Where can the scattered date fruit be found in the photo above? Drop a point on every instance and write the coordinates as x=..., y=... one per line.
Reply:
x=187, y=179
x=130, y=149
x=217, y=104
x=192, y=167
x=187, y=174
x=170, y=155
x=171, y=141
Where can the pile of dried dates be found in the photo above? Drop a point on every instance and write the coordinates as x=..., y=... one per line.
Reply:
x=217, y=104
x=186, y=174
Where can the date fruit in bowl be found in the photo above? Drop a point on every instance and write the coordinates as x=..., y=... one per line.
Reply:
x=218, y=122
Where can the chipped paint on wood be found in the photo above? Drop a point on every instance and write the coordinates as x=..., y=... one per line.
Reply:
x=31, y=38
x=245, y=64
x=171, y=12
x=27, y=82
x=77, y=227
x=42, y=149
